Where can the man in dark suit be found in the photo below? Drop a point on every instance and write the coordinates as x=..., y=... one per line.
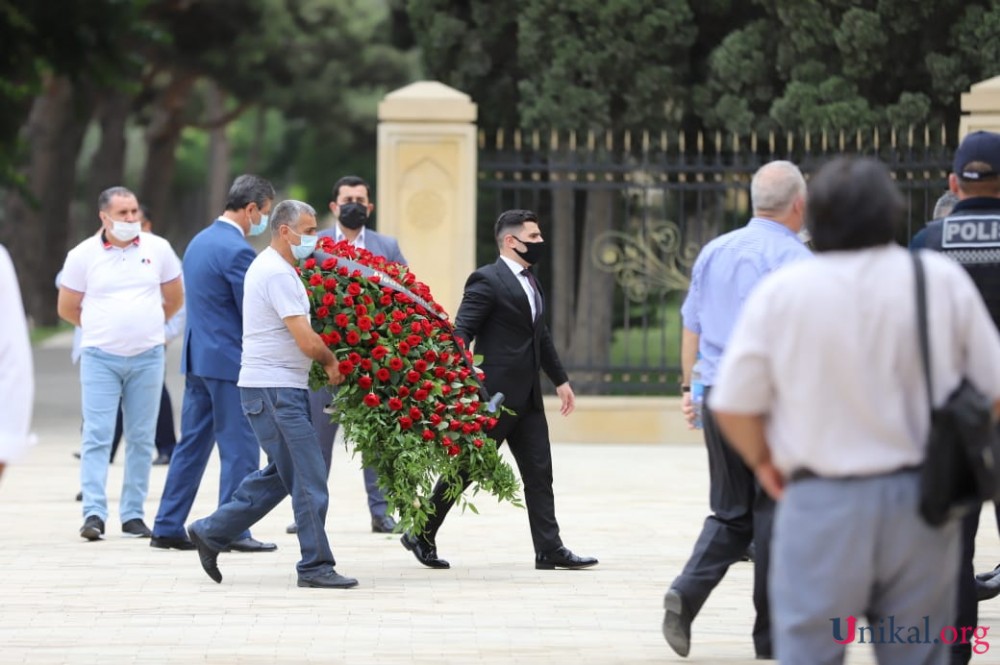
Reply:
x=350, y=203
x=215, y=264
x=501, y=311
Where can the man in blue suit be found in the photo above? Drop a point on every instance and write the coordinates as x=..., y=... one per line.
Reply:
x=215, y=264
x=350, y=203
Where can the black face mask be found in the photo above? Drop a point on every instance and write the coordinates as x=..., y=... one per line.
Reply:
x=532, y=253
x=353, y=215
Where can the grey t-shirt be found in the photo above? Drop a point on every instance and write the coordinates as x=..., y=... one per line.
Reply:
x=272, y=291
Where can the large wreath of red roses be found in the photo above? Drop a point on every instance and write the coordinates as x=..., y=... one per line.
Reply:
x=410, y=402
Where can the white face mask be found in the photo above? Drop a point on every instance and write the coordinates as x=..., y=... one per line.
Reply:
x=125, y=231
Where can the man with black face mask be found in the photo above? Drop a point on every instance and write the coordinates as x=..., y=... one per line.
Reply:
x=350, y=203
x=502, y=312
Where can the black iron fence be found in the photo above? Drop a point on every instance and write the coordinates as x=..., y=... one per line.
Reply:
x=626, y=214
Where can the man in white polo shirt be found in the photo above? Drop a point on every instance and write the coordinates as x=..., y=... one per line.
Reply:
x=119, y=286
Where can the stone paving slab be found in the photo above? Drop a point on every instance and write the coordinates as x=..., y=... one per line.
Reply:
x=637, y=508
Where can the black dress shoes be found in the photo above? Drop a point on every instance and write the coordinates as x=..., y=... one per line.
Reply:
x=383, y=524
x=168, y=543
x=563, y=558
x=250, y=545
x=677, y=623
x=424, y=550
x=209, y=557
x=331, y=579
x=988, y=585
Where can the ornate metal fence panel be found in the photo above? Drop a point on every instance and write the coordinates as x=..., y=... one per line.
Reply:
x=626, y=214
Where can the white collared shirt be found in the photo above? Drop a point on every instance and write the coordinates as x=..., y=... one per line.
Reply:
x=516, y=268
x=827, y=350
x=17, y=382
x=359, y=242
x=231, y=223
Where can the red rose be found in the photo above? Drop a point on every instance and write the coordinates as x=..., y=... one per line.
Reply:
x=374, y=279
x=374, y=337
x=420, y=366
x=361, y=310
x=415, y=327
x=366, y=364
x=445, y=357
x=478, y=443
x=397, y=315
x=459, y=409
x=341, y=320
x=383, y=375
x=440, y=371
x=309, y=264
x=395, y=403
x=446, y=389
x=413, y=340
x=413, y=376
x=354, y=357
x=379, y=318
x=420, y=395
x=454, y=450
x=385, y=301
x=365, y=382
x=473, y=407
x=330, y=284
x=454, y=425
x=329, y=264
x=322, y=312
x=316, y=279
x=404, y=391
x=430, y=356
x=491, y=423
x=403, y=348
x=405, y=423
x=379, y=352
x=427, y=385
x=334, y=337
x=372, y=400
x=329, y=299
x=408, y=278
x=353, y=338
x=446, y=441
x=345, y=367
x=343, y=271
x=366, y=299
x=348, y=301
x=435, y=419
x=395, y=364
x=395, y=328
x=416, y=413
x=467, y=428
x=440, y=407
x=476, y=427
x=450, y=376
x=428, y=435
x=354, y=289
x=365, y=323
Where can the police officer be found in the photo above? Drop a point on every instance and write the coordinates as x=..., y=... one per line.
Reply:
x=970, y=235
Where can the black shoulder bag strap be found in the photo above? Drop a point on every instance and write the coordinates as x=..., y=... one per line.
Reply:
x=925, y=347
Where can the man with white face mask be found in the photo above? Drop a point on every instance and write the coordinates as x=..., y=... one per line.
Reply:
x=119, y=286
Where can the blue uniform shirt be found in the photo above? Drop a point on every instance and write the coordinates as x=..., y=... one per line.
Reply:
x=725, y=272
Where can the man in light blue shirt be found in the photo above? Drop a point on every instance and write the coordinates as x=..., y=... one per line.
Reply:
x=726, y=271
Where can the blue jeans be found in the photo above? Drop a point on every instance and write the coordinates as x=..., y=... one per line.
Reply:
x=107, y=380
x=280, y=420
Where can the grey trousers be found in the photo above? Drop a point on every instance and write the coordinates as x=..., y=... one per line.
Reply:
x=857, y=548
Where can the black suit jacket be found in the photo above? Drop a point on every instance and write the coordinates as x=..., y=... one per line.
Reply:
x=496, y=315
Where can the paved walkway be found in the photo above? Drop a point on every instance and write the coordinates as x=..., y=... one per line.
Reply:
x=638, y=508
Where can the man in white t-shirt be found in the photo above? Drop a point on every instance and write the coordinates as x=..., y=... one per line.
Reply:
x=821, y=390
x=279, y=346
x=17, y=381
x=119, y=286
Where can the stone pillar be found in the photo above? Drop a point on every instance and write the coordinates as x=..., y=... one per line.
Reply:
x=981, y=108
x=426, y=189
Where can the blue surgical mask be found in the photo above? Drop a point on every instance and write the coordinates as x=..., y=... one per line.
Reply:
x=306, y=246
x=258, y=228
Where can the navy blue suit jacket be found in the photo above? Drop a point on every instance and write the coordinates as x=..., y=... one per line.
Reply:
x=215, y=264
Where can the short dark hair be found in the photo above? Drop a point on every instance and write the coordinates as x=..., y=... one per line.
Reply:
x=853, y=204
x=349, y=181
x=248, y=189
x=146, y=216
x=511, y=221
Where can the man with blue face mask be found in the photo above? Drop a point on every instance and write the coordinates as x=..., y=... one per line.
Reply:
x=215, y=264
x=279, y=347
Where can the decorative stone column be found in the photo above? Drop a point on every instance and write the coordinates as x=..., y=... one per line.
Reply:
x=981, y=108
x=426, y=189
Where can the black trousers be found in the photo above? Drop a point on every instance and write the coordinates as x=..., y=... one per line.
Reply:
x=527, y=434
x=741, y=513
x=968, y=605
x=166, y=435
